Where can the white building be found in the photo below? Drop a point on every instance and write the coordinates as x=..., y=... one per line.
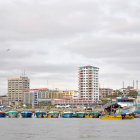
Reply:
x=75, y=96
x=89, y=83
x=125, y=101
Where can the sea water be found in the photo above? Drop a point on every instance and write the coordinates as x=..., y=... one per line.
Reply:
x=68, y=129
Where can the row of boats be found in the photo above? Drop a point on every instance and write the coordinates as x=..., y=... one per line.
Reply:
x=69, y=114
x=51, y=114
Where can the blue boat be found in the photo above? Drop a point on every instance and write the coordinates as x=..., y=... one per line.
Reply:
x=137, y=113
x=41, y=114
x=53, y=114
x=2, y=114
x=26, y=114
x=67, y=114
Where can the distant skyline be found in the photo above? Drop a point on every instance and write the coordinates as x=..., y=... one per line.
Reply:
x=50, y=40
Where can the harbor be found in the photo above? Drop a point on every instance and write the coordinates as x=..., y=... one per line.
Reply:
x=70, y=129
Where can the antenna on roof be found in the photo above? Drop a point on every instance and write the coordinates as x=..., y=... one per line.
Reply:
x=133, y=84
x=137, y=82
x=123, y=84
x=23, y=73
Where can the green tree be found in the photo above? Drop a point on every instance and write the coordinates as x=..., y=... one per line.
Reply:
x=133, y=93
x=104, y=101
x=117, y=93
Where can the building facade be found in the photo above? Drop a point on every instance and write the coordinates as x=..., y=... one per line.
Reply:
x=62, y=102
x=34, y=96
x=16, y=88
x=103, y=92
x=4, y=100
x=89, y=83
x=68, y=94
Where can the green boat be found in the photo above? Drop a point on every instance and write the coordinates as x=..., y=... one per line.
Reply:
x=74, y=115
x=81, y=114
x=12, y=114
x=95, y=114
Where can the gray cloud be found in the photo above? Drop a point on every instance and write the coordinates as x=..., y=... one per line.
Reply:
x=51, y=39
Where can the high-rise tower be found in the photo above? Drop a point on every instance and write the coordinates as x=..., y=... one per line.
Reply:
x=16, y=88
x=89, y=83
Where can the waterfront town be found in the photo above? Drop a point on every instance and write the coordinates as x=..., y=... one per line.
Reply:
x=89, y=100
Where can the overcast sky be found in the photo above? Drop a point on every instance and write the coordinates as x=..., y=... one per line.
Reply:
x=50, y=39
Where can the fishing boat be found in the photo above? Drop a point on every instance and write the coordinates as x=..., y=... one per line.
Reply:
x=26, y=114
x=53, y=114
x=67, y=114
x=93, y=114
x=2, y=114
x=137, y=106
x=74, y=115
x=41, y=114
x=81, y=114
x=87, y=115
x=12, y=114
x=117, y=116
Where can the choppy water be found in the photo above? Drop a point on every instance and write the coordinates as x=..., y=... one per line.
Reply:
x=69, y=129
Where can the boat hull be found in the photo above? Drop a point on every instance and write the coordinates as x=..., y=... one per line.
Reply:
x=88, y=116
x=10, y=115
x=67, y=115
x=137, y=115
x=41, y=114
x=53, y=115
x=117, y=117
x=2, y=114
x=81, y=115
x=26, y=114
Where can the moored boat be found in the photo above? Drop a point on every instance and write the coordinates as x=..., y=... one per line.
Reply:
x=81, y=114
x=88, y=115
x=12, y=114
x=117, y=116
x=53, y=114
x=26, y=114
x=41, y=114
x=67, y=114
x=95, y=114
x=137, y=113
x=74, y=115
x=2, y=114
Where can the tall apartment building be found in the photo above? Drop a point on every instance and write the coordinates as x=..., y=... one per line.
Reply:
x=89, y=83
x=16, y=88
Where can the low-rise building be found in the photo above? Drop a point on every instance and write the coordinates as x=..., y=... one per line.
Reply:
x=74, y=102
x=68, y=94
x=36, y=96
x=103, y=92
x=4, y=100
x=32, y=96
x=125, y=101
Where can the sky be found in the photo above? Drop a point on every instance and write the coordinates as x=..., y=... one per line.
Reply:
x=49, y=39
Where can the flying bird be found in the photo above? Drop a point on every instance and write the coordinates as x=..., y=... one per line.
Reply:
x=8, y=50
